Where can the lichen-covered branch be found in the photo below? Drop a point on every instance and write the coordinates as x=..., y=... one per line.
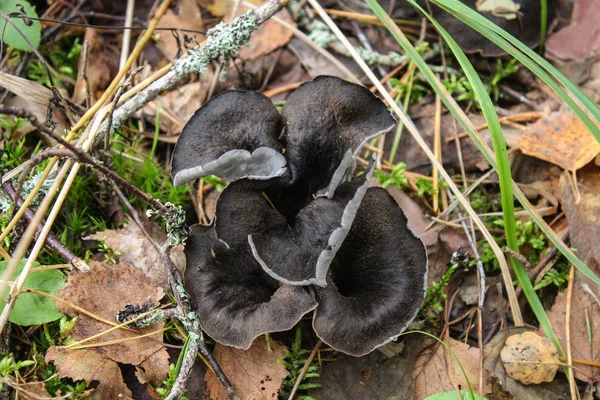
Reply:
x=222, y=42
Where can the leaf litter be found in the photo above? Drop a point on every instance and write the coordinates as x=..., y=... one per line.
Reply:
x=557, y=138
x=104, y=291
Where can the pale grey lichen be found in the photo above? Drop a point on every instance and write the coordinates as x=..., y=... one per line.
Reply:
x=174, y=217
x=223, y=42
x=320, y=34
x=28, y=185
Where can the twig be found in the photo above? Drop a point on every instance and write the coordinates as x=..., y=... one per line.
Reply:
x=83, y=73
x=52, y=241
x=305, y=369
x=187, y=364
x=127, y=33
x=572, y=386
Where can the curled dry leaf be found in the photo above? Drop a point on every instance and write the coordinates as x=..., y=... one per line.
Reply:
x=104, y=291
x=136, y=250
x=89, y=365
x=583, y=214
x=585, y=330
x=530, y=358
x=439, y=372
x=254, y=373
x=562, y=139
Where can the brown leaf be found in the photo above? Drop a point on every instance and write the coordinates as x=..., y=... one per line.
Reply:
x=104, y=291
x=253, y=373
x=562, y=139
x=179, y=105
x=102, y=66
x=581, y=39
x=136, y=250
x=153, y=369
x=583, y=309
x=583, y=215
x=187, y=17
x=558, y=389
x=32, y=390
x=530, y=358
x=372, y=377
x=89, y=365
x=440, y=372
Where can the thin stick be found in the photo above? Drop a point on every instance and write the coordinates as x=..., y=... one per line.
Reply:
x=437, y=150
x=305, y=369
x=572, y=387
x=52, y=241
x=127, y=33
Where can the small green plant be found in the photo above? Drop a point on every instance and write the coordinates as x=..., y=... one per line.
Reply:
x=462, y=90
x=173, y=373
x=502, y=72
x=435, y=293
x=396, y=177
x=109, y=253
x=529, y=237
x=558, y=275
x=217, y=182
x=8, y=366
x=294, y=361
x=168, y=384
x=417, y=90
x=62, y=56
x=426, y=187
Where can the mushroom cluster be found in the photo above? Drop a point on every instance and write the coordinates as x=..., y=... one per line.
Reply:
x=294, y=231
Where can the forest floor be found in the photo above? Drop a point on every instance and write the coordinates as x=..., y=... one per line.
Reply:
x=511, y=309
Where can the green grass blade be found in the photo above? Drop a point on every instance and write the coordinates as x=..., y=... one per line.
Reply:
x=482, y=146
x=504, y=175
x=530, y=59
x=543, y=23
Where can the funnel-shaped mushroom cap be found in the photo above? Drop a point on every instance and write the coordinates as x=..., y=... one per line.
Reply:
x=234, y=135
x=302, y=255
x=236, y=301
x=376, y=283
x=324, y=119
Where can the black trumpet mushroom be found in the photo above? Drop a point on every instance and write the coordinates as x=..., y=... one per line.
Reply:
x=295, y=231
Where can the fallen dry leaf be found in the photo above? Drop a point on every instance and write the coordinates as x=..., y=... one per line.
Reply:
x=181, y=103
x=89, y=365
x=372, y=377
x=102, y=66
x=562, y=139
x=439, y=372
x=254, y=373
x=104, y=291
x=583, y=215
x=136, y=250
x=580, y=40
x=583, y=309
x=188, y=16
x=530, y=358
x=558, y=389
